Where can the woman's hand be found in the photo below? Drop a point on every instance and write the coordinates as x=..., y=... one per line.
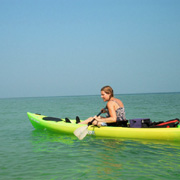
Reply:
x=104, y=110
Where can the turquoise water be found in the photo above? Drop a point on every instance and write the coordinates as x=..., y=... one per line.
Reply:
x=26, y=153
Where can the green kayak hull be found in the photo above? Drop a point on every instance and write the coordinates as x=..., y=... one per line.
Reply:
x=170, y=134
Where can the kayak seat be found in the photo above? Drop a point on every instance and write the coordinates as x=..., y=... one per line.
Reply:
x=52, y=119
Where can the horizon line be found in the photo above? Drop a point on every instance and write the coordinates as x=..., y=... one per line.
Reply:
x=89, y=95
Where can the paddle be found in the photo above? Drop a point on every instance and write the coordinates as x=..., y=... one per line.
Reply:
x=81, y=132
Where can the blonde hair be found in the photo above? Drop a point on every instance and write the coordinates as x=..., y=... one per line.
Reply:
x=108, y=90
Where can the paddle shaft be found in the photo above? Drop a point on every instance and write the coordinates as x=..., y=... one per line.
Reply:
x=90, y=123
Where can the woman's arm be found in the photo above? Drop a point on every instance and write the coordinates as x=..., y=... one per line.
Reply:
x=112, y=113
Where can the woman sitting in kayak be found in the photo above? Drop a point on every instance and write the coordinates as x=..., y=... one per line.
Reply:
x=114, y=109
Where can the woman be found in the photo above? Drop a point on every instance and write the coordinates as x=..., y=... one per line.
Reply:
x=114, y=109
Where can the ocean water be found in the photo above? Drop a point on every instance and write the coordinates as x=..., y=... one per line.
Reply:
x=26, y=153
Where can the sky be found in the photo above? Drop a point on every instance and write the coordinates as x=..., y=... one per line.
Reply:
x=75, y=47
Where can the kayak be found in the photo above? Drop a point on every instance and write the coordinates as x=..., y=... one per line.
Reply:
x=61, y=126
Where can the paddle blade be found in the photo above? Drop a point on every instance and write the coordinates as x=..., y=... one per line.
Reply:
x=81, y=132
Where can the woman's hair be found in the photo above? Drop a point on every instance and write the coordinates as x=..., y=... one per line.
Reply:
x=108, y=90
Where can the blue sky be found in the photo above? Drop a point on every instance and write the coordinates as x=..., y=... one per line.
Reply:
x=74, y=47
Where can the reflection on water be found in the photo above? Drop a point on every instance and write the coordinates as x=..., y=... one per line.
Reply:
x=99, y=158
x=47, y=141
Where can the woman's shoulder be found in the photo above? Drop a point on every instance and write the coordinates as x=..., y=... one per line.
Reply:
x=119, y=102
x=112, y=102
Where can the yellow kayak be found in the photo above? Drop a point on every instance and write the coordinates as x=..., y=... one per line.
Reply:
x=60, y=126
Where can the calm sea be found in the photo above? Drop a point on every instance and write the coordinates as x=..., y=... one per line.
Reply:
x=29, y=154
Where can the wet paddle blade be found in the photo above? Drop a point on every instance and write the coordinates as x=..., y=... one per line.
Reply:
x=81, y=132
